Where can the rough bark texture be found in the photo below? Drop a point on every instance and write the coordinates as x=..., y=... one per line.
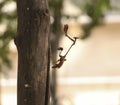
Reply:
x=32, y=43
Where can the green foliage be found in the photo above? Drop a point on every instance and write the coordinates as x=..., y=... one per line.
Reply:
x=94, y=9
x=53, y=4
x=7, y=30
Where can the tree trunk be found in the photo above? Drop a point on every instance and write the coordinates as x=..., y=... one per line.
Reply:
x=33, y=52
x=57, y=32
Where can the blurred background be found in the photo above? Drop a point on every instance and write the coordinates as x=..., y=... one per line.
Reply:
x=91, y=74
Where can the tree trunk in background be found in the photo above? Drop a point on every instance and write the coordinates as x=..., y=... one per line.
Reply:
x=56, y=30
x=33, y=55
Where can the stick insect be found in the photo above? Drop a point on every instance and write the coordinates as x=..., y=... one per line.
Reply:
x=62, y=58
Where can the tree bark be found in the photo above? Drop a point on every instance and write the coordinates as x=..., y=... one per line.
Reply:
x=32, y=43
